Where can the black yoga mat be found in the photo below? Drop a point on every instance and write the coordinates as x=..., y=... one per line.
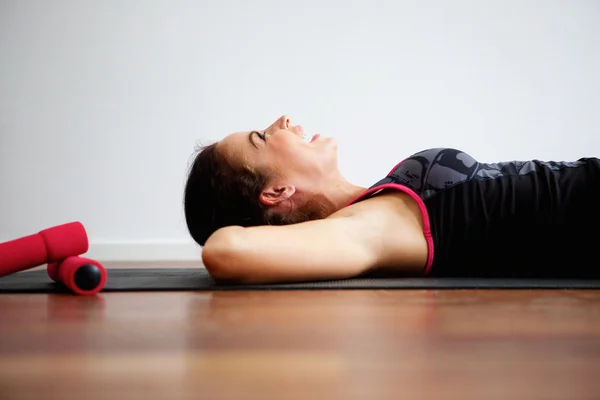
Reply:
x=157, y=279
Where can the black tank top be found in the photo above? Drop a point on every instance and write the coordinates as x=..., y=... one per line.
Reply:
x=511, y=219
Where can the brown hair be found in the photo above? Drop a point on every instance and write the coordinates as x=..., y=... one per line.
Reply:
x=221, y=192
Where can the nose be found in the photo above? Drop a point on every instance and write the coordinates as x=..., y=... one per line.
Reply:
x=284, y=122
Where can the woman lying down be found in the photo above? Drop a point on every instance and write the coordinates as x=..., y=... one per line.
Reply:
x=268, y=206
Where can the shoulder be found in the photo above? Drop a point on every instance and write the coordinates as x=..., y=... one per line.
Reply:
x=392, y=226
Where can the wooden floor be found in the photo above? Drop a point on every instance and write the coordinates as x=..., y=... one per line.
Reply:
x=464, y=344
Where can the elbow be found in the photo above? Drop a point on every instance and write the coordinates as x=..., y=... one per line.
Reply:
x=220, y=255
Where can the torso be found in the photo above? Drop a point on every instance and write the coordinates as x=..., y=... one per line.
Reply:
x=504, y=219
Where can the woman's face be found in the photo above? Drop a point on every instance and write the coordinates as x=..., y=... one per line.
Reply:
x=282, y=149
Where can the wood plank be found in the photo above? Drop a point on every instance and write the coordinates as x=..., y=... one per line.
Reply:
x=384, y=344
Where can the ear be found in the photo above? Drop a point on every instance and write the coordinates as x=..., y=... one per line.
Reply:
x=275, y=194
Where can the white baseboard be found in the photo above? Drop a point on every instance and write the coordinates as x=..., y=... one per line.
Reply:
x=144, y=251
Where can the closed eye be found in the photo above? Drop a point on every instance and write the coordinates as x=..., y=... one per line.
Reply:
x=261, y=135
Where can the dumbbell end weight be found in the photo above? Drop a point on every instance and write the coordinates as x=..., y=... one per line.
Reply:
x=82, y=276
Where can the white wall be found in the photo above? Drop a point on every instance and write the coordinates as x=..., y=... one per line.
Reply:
x=103, y=101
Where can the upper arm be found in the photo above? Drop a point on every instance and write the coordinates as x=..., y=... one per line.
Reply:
x=313, y=250
x=356, y=241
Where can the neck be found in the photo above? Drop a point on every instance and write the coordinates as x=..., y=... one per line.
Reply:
x=338, y=193
x=323, y=200
x=343, y=193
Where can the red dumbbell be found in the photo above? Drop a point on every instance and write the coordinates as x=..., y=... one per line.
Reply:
x=48, y=246
x=59, y=247
x=83, y=276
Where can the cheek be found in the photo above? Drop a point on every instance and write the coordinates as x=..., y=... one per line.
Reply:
x=292, y=152
x=285, y=148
